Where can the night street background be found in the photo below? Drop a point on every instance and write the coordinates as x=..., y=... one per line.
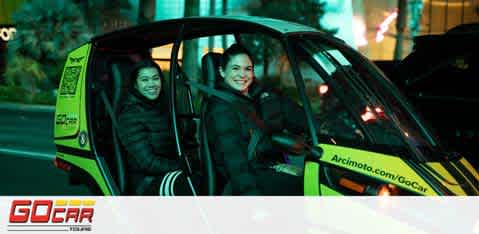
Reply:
x=427, y=48
x=27, y=151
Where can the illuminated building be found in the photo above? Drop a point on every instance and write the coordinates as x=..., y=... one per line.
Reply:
x=7, y=30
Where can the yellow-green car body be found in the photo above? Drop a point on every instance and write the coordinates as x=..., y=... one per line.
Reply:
x=84, y=128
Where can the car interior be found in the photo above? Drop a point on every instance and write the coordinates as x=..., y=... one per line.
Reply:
x=210, y=72
x=110, y=75
x=111, y=72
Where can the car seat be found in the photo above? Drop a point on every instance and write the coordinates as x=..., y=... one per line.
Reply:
x=111, y=101
x=114, y=86
x=119, y=152
x=210, y=64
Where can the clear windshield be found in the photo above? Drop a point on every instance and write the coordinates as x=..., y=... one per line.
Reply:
x=356, y=105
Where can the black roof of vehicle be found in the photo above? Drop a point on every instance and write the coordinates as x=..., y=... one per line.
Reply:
x=430, y=51
x=457, y=38
x=166, y=31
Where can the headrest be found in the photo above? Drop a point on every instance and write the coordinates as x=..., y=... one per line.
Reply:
x=210, y=64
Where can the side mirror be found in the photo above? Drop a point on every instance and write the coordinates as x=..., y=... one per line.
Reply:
x=293, y=144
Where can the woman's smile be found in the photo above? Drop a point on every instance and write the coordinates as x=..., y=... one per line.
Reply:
x=148, y=83
x=238, y=73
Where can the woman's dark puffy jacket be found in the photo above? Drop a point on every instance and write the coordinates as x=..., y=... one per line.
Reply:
x=229, y=133
x=146, y=133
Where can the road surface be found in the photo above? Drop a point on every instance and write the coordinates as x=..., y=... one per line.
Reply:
x=27, y=151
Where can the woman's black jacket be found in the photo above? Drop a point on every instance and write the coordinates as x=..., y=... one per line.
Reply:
x=145, y=132
x=229, y=132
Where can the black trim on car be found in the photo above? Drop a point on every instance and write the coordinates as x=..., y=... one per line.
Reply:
x=74, y=151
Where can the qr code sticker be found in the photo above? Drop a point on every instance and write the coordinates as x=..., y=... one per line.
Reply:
x=70, y=80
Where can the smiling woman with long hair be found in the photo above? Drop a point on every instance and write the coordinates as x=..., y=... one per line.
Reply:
x=146, y=133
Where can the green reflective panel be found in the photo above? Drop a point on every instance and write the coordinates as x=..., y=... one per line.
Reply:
x=381, y=166
x=311, y=179
x=327, y=191
x=70, y=118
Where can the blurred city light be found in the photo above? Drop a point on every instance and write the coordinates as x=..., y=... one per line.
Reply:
x=7, y=33
x=359, y=31
x=323, y=89
x=384, y=26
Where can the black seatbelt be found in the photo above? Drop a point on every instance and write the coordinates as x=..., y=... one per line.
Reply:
x=253, y=142
x=109, y=108
x=119, y=159
x=260, y=129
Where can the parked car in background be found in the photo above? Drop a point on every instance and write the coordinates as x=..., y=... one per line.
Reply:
x=440, y=79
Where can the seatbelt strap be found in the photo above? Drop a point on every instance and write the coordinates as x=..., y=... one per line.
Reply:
x=231, y=98
x=119, y=159
x=260, y=129
x=109, y=108
x=228, y=97
x=253, y=142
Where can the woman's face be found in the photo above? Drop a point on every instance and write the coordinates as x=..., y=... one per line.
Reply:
x=238, y=73
x=148, y=82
